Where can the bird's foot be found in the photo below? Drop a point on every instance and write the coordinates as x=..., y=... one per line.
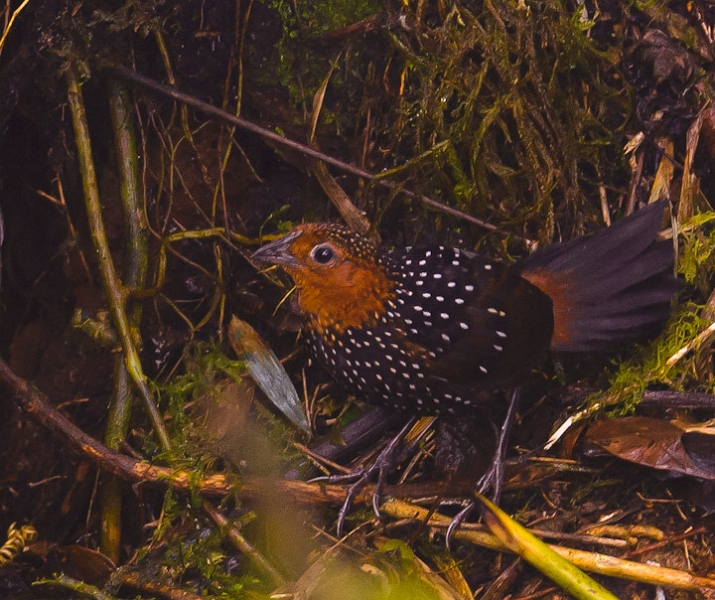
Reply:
x=493, y=478
x=383, y=465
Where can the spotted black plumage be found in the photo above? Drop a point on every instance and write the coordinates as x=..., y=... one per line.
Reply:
x=428, y=329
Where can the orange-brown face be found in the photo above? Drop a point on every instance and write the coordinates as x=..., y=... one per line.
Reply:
x=340, y=279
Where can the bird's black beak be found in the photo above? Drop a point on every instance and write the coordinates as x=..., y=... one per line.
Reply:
x=278, y=252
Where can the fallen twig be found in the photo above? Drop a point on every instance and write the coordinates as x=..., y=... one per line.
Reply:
x=205, y=107
x=593, y=562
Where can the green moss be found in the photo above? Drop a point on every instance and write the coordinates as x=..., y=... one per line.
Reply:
x=502, y=86
x=698, y=249
x=302, y=60
x=192, y=552
x=655, y=364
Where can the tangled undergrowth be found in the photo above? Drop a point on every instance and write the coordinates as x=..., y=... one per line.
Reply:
x=495, y=127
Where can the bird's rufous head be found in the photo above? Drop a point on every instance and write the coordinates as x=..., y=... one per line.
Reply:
x=340, y=276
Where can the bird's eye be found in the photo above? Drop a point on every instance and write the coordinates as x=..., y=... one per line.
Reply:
x=323, y=254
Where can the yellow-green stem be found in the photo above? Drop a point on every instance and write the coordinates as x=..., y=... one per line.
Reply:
x=115, y=291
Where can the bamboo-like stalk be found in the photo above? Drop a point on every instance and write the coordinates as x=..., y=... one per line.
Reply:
x=134, y=276
x=113, y=288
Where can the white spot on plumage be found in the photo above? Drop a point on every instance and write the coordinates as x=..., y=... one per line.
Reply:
x=483, y=369
x=445, y=337
x=451, y=284
x=463, y=325
x=469, y=288
x=439, y=298
x=498, y=348
x=422, y=263
x=444, y=315
x=487, y=267
x=501, y=334
x=459, y=300
x=437, y=275
x=426, y=295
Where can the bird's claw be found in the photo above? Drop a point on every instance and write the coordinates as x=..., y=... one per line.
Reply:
x=363, y=477
x=383, y=465
x=493, y=479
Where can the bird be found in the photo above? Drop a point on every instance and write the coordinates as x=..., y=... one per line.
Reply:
x=427, y=330
x=433, y=330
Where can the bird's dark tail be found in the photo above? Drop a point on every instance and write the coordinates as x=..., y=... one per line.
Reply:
x=612, y=286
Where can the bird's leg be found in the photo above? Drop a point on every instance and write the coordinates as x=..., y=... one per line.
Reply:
x=493, y=478
x=383, y=464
